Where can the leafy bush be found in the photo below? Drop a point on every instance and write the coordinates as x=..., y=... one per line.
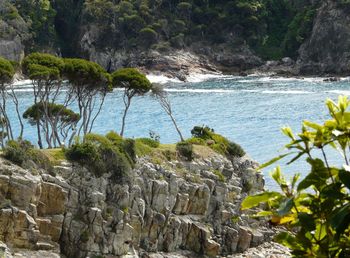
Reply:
x=21, y=152
x=235, y=149
x=317, y=208
x=185, y=149
x=103, y=155
x=203, y=132
x=202, y=135
x=17, y=151
x=196, y=141
x=149, y=142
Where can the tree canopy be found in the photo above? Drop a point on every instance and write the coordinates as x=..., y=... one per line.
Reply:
x=6, y=71
x=132, y=80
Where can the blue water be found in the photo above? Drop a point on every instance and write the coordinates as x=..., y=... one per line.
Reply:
x=249, y=111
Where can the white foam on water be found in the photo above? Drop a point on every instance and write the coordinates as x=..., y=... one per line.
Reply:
x=162, y=79
x=198, y=77
x=22, y=83
x=286, y=92
x=339, y=92
x=201, y=90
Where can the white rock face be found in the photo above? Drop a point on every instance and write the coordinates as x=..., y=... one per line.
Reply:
x=176, y=205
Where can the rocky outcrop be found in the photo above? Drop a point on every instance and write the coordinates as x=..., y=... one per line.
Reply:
x=167, y=207
x=327, y=51
x=12, y=49
x=199, y=58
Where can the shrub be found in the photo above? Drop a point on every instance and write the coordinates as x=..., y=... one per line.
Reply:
x=17, y=151
x=127, y=146
x=235, y=149
x=185, y=149
x=103, y=155
x=317, y=208
x=149, y=142
x=196, y=141
x=220, y=175
x=114, y=137
x=203, y=134
x=21, y=152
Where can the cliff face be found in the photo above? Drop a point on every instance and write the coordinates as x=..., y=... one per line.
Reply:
x=167, y=206
x=12, y=49
x=328, y=48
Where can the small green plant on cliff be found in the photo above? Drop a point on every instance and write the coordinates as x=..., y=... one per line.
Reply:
x=185, y=149
x=317, y=208
x=102, y=155
x=24, y=154
x=203, y=135
x=149, y=142
x=220, y=175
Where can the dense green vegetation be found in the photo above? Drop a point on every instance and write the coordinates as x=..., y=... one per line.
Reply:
x=316, y=209
x=203, y=135
x=104, y=154
x=274, y=28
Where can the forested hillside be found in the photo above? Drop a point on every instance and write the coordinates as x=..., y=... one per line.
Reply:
x=273, y=28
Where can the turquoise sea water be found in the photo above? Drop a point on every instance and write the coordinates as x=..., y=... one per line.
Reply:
x=248, y=110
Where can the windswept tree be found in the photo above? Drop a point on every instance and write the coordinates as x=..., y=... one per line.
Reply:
x=64, y=120
x=134, y=83
x=160, y=94
x=7, y=72
x=88, y=84
x=45, y=71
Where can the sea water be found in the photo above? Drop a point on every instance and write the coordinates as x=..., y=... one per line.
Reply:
x=248, y=110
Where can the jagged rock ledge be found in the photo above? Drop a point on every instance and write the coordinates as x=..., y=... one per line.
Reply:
x=167, y=206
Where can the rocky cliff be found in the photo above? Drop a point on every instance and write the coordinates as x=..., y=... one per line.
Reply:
x=327, y=51
x=167, y=206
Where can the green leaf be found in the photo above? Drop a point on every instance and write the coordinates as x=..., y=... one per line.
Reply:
x=286, y=207
x=272, y=161
x=321, y=231
x=306, y=221
x=341, y=219
x=296, y=157
x=253, y=201
x=288, y=132
x=287, y=240
x=344, y=177
x=312, y=125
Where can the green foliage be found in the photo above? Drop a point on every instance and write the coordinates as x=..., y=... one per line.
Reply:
x=185, y=149
x=132, y=80
x=86, y=74
x=235, y=149
x=272, y=27
x=149, y=142
x=7, y=71
x=148, y=36
x=298, y=30
x=317, y=208
x=196, y=141
x=40, y=16
x=40, y=66
x=22, y=152
x=203, y=135
x=202, y=132
x=220, y=175
x=59, y=112
x=103, y=155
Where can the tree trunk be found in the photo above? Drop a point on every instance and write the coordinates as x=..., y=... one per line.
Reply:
x=127, y=105
x=176, y=127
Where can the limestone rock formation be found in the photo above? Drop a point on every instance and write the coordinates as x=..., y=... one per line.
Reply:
x=167, y=207
x=327, y=51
